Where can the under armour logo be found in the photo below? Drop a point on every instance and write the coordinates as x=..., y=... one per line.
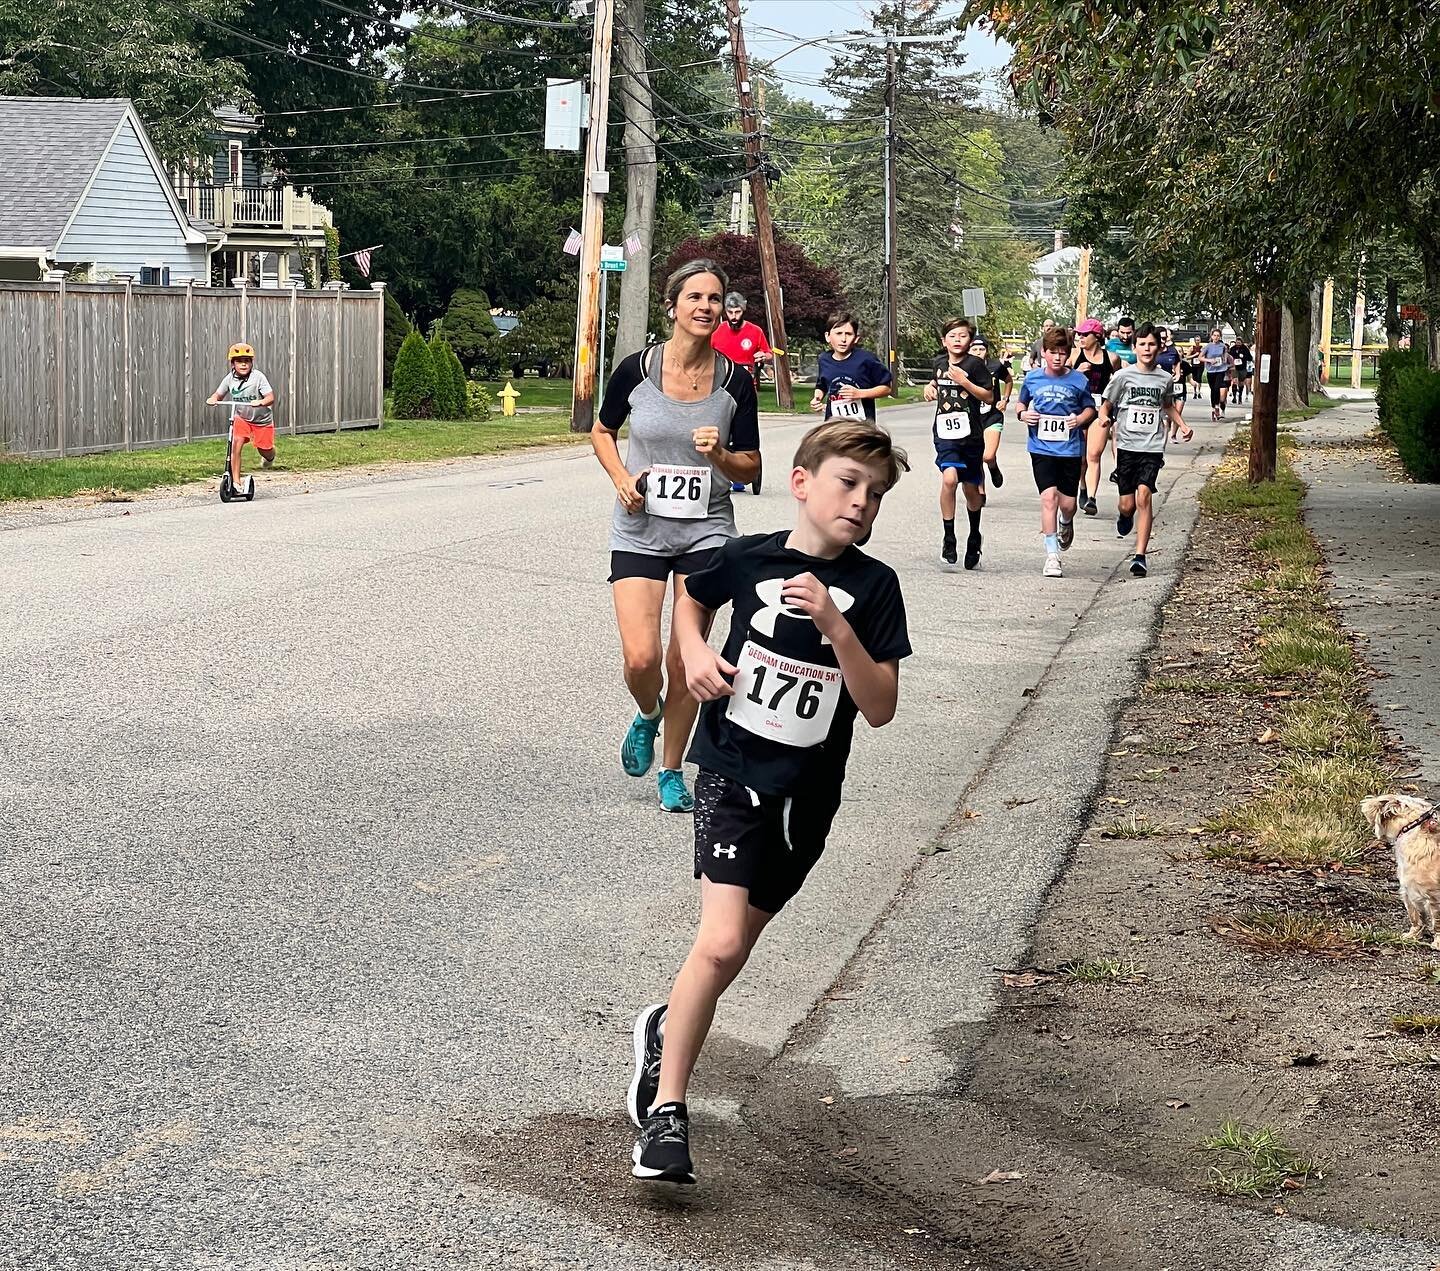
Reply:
x=724, y=851
x=769, y=592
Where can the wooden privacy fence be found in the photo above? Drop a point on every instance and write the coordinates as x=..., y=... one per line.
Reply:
x=114, y=366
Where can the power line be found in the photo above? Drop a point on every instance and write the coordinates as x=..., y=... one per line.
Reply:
x=507, y=19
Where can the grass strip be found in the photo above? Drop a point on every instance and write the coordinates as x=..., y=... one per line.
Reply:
x=116, y=473
x=1255, y=1162
x=1283, y=931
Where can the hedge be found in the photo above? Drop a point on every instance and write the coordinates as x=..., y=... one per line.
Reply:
x=1411, y=415
x=459, y=385
x=414, y=379
x=397, y=327
x=448, y=403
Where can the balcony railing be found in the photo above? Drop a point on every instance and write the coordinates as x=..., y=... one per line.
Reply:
x=256, y=206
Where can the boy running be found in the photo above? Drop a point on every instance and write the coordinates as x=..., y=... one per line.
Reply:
x=1055, y=402
x=960, y=385
x=817, y=632
x=850, y=379
x=1142, y=404
x=250, y=398
x=992, y=414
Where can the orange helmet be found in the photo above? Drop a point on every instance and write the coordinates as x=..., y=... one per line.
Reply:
x=241, y=350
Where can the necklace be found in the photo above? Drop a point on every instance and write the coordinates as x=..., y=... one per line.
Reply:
x=692, y=376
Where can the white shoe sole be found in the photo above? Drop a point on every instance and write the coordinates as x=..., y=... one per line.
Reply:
x=638, y=1034
x=655, y=1175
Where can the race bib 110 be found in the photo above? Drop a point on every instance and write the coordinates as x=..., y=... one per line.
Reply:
x=786, y=700
x=1052, y=428
x=678, y=493
x=847, y=408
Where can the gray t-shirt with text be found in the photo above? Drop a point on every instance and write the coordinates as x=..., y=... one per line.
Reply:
x=1141, y=401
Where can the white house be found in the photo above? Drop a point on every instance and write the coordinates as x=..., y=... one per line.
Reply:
x=81, y=188
x=1048, y=270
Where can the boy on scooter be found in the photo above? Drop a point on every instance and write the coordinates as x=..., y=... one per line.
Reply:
x=250, y=397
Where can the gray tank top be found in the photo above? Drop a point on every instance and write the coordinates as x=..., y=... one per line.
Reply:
x=673, y=521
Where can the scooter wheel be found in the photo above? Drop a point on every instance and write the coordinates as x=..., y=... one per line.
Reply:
x=249, y=489
x=227, y=491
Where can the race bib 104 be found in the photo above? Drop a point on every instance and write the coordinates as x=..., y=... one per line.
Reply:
x=678, y=493
x=783, y=699
x=1052, y=428
x=847, y=408
x=952, y=425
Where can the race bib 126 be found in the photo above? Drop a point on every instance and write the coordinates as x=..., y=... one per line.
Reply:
x=786, y=700
x=1052, y=428
x=678, y=493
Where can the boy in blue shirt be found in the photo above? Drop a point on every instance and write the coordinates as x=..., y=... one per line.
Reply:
x=1056, y=403
x=850, y=379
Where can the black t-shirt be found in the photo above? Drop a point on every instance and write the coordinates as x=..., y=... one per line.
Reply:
x=1000, y=373
x=952, y=400
x=1241, y=354
x=860, y=368
x=789, y=681
x=1098, y=373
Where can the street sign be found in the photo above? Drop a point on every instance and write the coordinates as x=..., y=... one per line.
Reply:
x=972, y=300
x=612, y=259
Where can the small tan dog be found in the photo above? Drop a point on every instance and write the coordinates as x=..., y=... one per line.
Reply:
x=1412, y=827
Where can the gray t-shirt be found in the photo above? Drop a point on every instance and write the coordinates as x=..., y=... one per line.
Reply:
x=242, y=392
x=1141, y=401
x=687, y=500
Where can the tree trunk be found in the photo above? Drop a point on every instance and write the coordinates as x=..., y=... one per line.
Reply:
x=1392, y=312
x=632, y=83
x=1312, y=363
x=1264, y=417
x=1430, y=258
x=1284, y=375
x=1301, y=362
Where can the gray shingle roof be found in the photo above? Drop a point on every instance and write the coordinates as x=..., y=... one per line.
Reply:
x=49, y=147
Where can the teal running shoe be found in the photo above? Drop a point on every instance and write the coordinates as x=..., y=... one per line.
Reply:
x=637, y=751
x=674, y=797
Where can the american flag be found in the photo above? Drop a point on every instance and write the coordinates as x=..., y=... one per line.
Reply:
x=362, y=261
x=572, y=244
x=632, y=244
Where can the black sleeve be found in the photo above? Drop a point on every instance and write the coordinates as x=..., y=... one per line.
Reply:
x=714, y=586
x=980, y=374
x=939, y=365
x=886, y=634
x=1003, y=374
x=881, y=371
x=745, y=423
x=615, y=409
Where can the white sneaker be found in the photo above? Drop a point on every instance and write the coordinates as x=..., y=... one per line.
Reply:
x=1052, y=567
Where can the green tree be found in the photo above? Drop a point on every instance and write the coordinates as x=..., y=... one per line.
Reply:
x=397, y=327
x=448, y=405
x=471, y=330
x=415, y=381
x=545, y=337
x=459, y=383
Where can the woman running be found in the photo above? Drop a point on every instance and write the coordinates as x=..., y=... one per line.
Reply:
x=693, y=433
x=1217, y=371
x=1097, y=364
x=1195, y=363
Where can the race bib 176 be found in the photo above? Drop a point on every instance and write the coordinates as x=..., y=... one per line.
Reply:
x=678, y=493
x=786, y=700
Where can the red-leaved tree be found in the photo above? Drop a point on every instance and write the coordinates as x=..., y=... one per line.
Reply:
x=812, y=292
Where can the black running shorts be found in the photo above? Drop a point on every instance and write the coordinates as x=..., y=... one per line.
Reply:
x=1134, y=468
x=765, y=843
x=967, y=460
x=1061, y=471
x=643, y=565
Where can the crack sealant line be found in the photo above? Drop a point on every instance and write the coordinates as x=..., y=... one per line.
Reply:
x=1113, y=686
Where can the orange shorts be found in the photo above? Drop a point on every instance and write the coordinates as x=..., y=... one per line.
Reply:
x=263, y=435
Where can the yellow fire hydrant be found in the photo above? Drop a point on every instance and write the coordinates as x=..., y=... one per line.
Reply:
x=508, y=396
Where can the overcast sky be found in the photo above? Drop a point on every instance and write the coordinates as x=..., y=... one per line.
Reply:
x=806, y=19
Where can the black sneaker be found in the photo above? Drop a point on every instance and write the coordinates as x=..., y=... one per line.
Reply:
x=1123, y=525
x=646, y=1081
x=662, y=1152
x=1065, y=531
x=947, y=550
x=1137, y=567
x=996, y=476
x=972, y=550
x=1090, y=506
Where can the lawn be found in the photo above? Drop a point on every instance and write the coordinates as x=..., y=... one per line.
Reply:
x=555, y=394
x=400, y=441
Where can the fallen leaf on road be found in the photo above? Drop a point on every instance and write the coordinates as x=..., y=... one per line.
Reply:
x=1176, y=1103
x=848, y=1151
x=1293, y=1185
x=1306, y=1059
x=904, y=1059
x=970, y=814
x=1268, y=736
x=914, y=1231
x=829, y=1098
x=1024, y=979
x=1110, y=798
x=1002, y=1176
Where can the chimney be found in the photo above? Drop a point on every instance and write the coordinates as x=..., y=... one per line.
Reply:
x=1059, y=239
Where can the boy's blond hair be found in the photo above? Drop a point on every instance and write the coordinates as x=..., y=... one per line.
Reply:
x=856, y=439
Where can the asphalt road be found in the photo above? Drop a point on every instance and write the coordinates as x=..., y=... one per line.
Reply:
x=319, y=859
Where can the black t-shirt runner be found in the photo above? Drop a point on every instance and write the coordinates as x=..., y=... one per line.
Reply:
x=1000, y=373
x=788, y=728
x=1098, y=373
x=957, y=413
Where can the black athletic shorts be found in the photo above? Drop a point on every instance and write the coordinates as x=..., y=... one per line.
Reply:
x=968, y=461
x=1061, y=471
x=643, y=565
x=765, y=843
x=1134, y=468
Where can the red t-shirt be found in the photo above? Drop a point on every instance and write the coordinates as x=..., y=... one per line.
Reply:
x=740, y=346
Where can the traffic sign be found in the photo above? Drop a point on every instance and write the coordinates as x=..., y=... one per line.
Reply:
x=612, y=259
x=972, y=300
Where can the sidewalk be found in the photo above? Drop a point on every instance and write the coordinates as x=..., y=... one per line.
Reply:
x=1381, y=537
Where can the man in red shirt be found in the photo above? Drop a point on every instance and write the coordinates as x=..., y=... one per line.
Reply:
x=742, y=342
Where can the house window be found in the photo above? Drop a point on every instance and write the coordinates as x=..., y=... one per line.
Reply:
x=236, y=167
x=154, y=275
x=1047, y=288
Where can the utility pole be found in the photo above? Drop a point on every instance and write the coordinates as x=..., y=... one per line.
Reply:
x=592, y=222
x=760, y=194
x=1327, y=320
x=640, y=180
x=1357, y=328
x=892, y=191
x=1082, y=286
x=1265, y=402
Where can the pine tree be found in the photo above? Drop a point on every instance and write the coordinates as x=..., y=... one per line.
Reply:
x=445, y=405
x=414, y=396
x=460, y=386
x=397, y=327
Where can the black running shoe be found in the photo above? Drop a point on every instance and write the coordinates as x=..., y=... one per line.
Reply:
x=996, y=476
x=1123, y=525
x=1065, y=531
x=1091, y=508
x=972, y=550
x=646, y=1081
x=662, y=1152
x=947, y=550
x=1137, y=567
